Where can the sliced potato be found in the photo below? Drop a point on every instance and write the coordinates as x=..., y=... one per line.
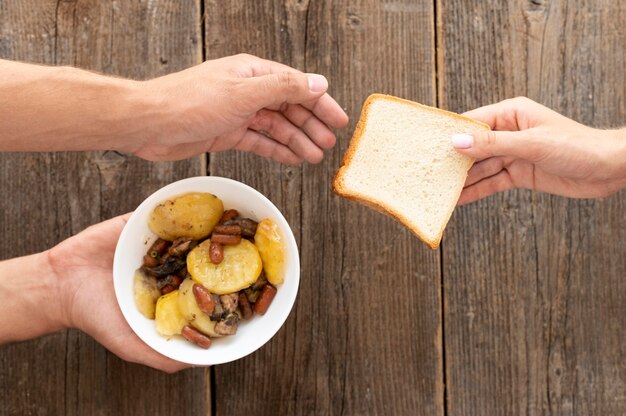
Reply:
x=190, y=215
x=146, y=293
x=189, y=309
x=239, y=269
x=169, y=320
x=272, y=251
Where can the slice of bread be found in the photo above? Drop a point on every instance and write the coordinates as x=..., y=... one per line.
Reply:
x=401, y=162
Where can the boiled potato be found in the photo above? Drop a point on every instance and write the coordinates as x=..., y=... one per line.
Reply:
x=239, y=269
x=169, y=320
x=272, y=250
x=146, y=293
x=191, y=215
x=191, y=312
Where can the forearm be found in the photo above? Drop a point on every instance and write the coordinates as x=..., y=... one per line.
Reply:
x=30, y=299
x=61, y=108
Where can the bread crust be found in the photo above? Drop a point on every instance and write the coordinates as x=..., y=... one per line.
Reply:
x=341, y=190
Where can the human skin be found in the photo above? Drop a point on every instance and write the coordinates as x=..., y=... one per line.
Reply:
x=239, y=102
x=531, y=146
x=71, y=286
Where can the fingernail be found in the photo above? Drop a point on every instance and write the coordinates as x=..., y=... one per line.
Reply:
x=462, y=141
x=317, y=83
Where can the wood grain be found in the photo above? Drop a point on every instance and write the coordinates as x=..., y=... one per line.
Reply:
x=59, y=194
x=534, y=293
x=364, y=335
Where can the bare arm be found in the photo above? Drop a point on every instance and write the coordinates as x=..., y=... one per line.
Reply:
x=71, y=286
x=61, y=108
x=533, y=147
x=239, y=102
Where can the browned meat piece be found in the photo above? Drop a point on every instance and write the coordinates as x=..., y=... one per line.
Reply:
x=170, y=265
x=218, y=310
x=228, y=325
x=244, y=306
x=149, y=261
x=227, y=229
x=180, y=247
x=204, y=299
x=228, y=215
x=216, y=252
x=196, y=337
x=225, y=239
x=260, y=282
x=264, y=301
x=158, y=248
x=169, y=283
x=230, y=302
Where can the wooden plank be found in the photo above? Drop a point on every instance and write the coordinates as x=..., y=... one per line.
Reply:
x=56, y=195
x=364, y=336
x=534, y=291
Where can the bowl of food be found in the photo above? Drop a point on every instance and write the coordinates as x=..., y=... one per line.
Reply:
x=206, y=270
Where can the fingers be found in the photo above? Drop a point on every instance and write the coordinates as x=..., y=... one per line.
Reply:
x=281, y=130
x=517, y=144
x=317, y=131
x=485, y=169
x=261, y=145
x=129, y=347
x=283, y=87
x=322, y=105
x=486, y=187
x=514, y=114
x=328, y=111
x=325, y=108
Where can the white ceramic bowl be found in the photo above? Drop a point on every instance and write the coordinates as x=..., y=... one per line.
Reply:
x=136, y=238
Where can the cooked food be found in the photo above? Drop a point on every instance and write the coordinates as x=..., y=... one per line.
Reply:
x=205, y=273
x=191, y=215
x=240, y=267
x=400, y=162
x=190, y=310
x=272, y=250
x=169, y=320
x=146, y=293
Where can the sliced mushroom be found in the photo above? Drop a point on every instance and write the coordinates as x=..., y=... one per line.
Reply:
x=228, y=325
x=230, y=302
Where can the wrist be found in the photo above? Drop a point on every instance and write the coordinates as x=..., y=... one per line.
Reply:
x=29, y=293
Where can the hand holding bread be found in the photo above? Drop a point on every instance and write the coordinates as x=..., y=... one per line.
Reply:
x=401, y=162
x=533, y=147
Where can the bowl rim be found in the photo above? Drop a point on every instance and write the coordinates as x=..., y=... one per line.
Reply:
x=166, y=192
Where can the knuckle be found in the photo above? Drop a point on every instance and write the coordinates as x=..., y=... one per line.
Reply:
x=490, y=139
x=286, y=81
x=284, y=107
x=244, y=56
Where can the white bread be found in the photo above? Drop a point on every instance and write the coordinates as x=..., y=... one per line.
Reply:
x=401, y=162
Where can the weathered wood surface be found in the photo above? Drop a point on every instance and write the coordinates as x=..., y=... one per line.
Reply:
x=534, y=286
x=56, y=195
x=364, y=336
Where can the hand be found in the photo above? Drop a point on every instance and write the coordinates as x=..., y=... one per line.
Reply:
x=241, y=102
x=83, y=265
x=536, y=148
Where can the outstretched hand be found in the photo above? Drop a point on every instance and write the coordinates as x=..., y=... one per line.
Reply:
x=241, y=102
x=533, y=147
x=83, y=265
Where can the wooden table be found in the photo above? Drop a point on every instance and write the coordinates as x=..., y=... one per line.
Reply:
x=521, y=311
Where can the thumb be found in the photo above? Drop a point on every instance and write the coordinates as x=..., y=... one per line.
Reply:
x=291, y=87
x=484, y=144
